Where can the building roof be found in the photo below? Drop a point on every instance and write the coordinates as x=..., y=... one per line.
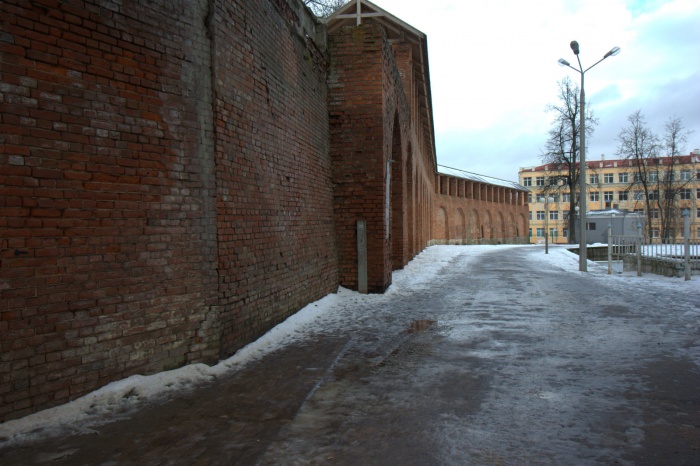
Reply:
x=611, y=212
x=694, y=157
x=456, y=172
x=355, y=12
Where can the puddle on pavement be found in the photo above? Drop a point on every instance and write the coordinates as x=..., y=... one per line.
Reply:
x=420, y=325
x=615, y=311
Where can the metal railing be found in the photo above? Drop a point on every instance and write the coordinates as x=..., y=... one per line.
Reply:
x=670, y=250
x=620, y=246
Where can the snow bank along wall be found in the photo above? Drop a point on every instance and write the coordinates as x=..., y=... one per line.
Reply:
x=177, y=177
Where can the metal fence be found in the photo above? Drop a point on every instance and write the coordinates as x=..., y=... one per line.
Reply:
x=684, y=254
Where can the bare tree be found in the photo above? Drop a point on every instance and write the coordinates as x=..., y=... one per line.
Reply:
x=562, y=146
x=324, y=8
x=639, y=144
x=673, y=144
x=654, y=165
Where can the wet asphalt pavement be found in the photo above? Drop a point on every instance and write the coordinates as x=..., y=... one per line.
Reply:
x=491, y=363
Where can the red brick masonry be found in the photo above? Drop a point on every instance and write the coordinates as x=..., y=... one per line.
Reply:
x=179, y=176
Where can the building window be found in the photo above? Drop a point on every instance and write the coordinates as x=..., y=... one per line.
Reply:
x=529, y=198
x=594, y=196
x=697, y=194
x=654, y=213
x=654, y=232
x=593, y=178
x=590, y=226
x=566, y=197
x=565, y=233
x=685, y=194
x=685, y=175
x=540, y=198
x=670, y=175
x=565, y=215
x=609, y=178
x=638, y=195
x=527, y=181
x=653, y=176
x=554, y=215
x=540, y=215
x=540, y=232
x=622, y=195
x=639, y=211
x=539, y=181
x=553, y=233
x=622, y=177
x=608, y=196
x=653, y=195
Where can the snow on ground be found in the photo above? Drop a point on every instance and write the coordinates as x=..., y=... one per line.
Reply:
x=648, y=284
x=120, y=398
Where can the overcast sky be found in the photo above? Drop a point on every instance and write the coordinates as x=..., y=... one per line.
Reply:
x=493, y=70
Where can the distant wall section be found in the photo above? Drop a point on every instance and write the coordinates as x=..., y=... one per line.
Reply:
x=472, y=212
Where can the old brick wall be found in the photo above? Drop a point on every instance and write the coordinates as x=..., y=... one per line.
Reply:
x=416, y=164
x=383, y=172
x=148, y=218
x=277, y=244
x=357, y=149
x=108, y=227
x=178, y=176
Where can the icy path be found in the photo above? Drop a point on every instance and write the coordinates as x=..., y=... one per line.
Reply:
x=475, y=355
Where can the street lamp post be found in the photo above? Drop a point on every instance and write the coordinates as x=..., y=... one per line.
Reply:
x=583, y=252
x=547, y=200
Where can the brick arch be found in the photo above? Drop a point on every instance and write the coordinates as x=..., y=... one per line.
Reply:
x=419, y=214
x=487, y=226
x=475, y=225
x=426, y=215
x=460, y=232
x=522, y=225
x=398, y=195
x=500, y=226
x=441, y=233
x=410, y=200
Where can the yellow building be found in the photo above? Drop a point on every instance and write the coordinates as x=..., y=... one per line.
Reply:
x=611, y=185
